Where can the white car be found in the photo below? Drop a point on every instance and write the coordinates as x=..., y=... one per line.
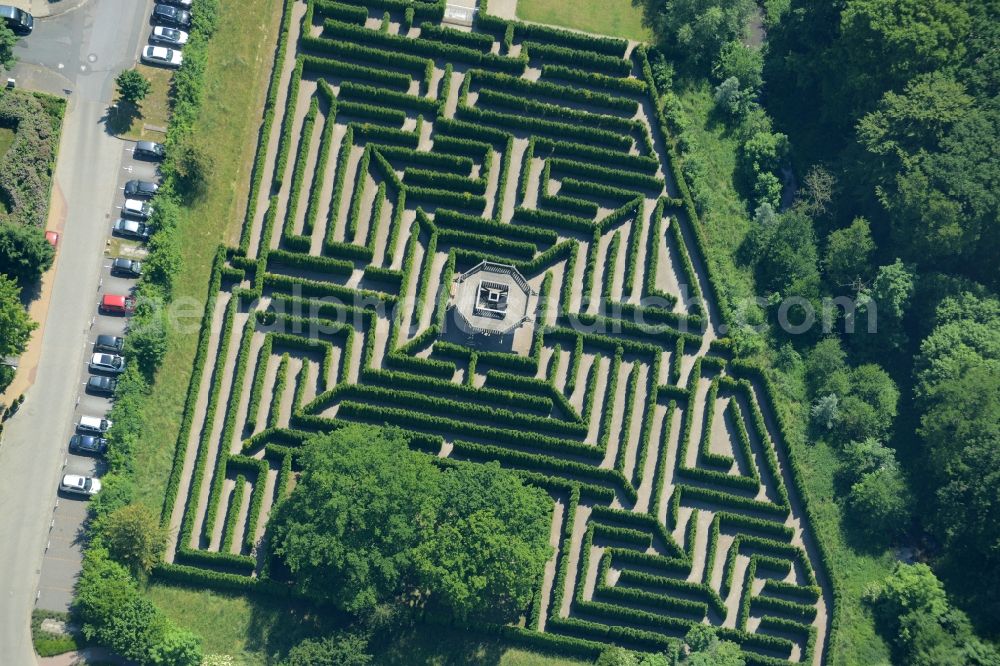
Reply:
x=93, y=424
x=168, y=36
x=137, y=208
x=80, y=485
x=161, y=55
x=112, y=363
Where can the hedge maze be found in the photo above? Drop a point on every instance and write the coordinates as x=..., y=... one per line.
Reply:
x=398, y=152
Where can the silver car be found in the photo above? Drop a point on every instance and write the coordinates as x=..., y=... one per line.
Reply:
x=161, y=55
x=111, y=363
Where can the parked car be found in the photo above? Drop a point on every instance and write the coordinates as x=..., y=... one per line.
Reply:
x=87, y=444
x=101, y=385
x=112, y=363
x=85, y=486
x=117, y=304
x=161, y=55
x=126, y=267
x=141, y=189
x=18, y=20
x=150, y=150
x=172, y=16
x=168, y=36
x=183, y=4
x=137, y=208
x=109, y=343
x=132, y=229
x=93, y=424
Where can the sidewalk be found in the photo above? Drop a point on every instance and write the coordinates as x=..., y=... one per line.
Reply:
x=43, y=8
x=39, y=308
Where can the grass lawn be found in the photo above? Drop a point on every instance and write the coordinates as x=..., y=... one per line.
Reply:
x=152, y=110
x=239, y=62
x=726, y=224
x=620, y=18
x=251, y=629
x=6, y=138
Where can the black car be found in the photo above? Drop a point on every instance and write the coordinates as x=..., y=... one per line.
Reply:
x=19, y=21
x=150, y=149
x=87, y=444
x=101, y=385
x=126, y=267
x=167, y=15
x=109, y=343
x=140, y=189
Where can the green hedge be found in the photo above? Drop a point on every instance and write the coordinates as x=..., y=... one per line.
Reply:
x=513, y=84
x=440, y=33
x=358, y=51
x=343, y=12
x=605, y=174
x=341, y=68
x=605, y=64
x=594, y=135
x=603, y=156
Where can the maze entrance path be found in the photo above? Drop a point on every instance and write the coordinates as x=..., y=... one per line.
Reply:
x=393, y=159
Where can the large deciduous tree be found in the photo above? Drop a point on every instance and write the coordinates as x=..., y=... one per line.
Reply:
x=15, y=325
x=24, y=252
x=350, y=530
x=372, y=522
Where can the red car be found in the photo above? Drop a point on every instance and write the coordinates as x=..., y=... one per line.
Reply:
x=115, y=304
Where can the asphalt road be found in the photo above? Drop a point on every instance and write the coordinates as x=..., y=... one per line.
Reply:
x=77, y=53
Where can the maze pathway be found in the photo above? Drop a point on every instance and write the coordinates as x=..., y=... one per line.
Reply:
x=395, y=157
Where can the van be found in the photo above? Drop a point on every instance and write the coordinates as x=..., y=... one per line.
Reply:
x=93, y=424
x=18, y=20
x=117, y=304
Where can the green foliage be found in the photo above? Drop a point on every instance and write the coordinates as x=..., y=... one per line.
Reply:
x=960, y=428
x=342, y=649
x=112, y=611
x=192, y=165
x=869, y=406
x=133, y=87
x=881, y=502
x=782, y=248
x=848, y=254
x=178, y=647
x=15, y=325
x=24, y=252
x=743, y=62
x=8, y=40
x=696, y=30
x=133, y=537
x=912, y=607
x=473, y=539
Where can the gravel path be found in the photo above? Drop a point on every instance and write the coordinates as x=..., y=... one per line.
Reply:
x=201, y=404
x=549, y=574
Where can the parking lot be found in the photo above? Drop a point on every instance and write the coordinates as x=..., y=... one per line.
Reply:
x=63, y=552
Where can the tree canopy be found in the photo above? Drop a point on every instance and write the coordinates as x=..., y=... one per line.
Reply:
x=372, y=522
x=15, y=325
x=24, y=252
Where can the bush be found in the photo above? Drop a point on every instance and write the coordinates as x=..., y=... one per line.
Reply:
x=26, y=167
x=342, y=649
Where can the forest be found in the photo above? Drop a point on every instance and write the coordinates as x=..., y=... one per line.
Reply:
x=867, y=134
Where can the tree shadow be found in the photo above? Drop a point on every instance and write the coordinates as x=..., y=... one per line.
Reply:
x=120, y=116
